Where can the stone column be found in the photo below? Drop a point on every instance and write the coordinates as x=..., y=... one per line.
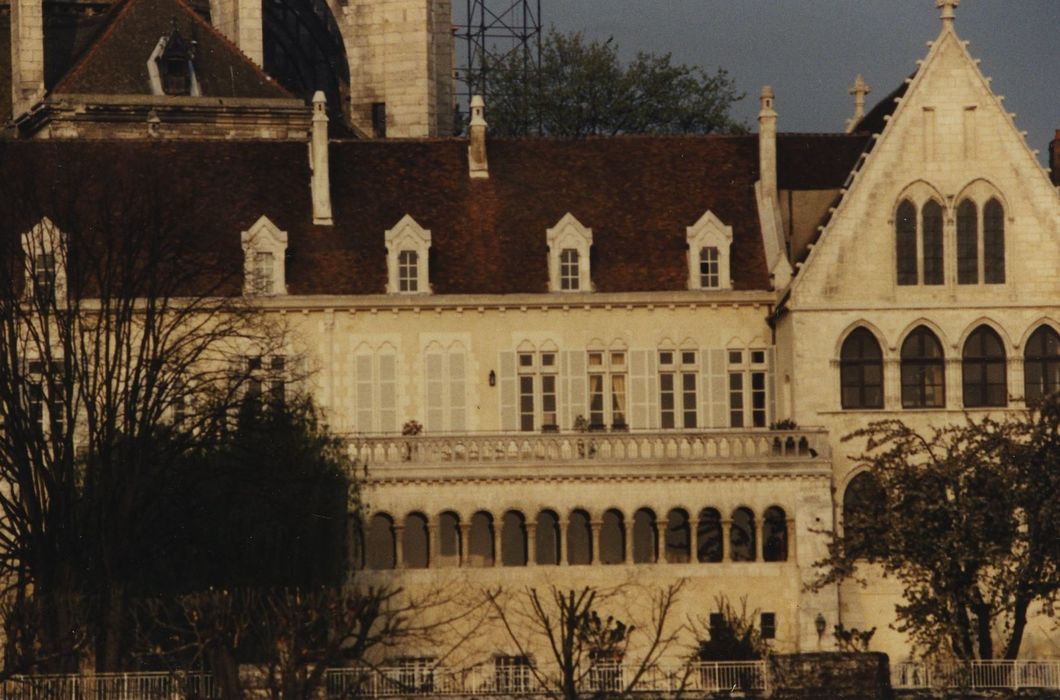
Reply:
x=433, y=550
x=562, y=542
x=498, y=529
x=660, y=542
x=693, y=539
x=791, y=539
x=463, y=531
x=760, y=545
x=726, y=540
x=627, y=541
x=531, y=544
x=399, y=546
x=594, y=542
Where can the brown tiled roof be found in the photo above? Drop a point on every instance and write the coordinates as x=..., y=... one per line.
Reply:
x=817, y=161
x=116, y=64
x=637, y=194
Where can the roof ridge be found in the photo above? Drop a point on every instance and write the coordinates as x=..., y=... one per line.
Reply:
x=122, y=13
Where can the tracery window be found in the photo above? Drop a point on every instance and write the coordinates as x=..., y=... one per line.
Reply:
x=928, y=246
x=980, y=250
x=923, y=371
x=861, y=370
x=905, y=242
x=931, y=228
x=1041, y=365
x=864, y=516
x=983, y=369
x=993, y=242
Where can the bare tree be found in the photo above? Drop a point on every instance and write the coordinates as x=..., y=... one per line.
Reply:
x=586, y=649
x=121, y=328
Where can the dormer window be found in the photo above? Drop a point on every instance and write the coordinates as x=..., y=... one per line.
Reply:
x=408, y=246
x=569, y=243
x=264, y=250
x=709, y=241
x=171, y=66
x=408, y=271
x=569, y=276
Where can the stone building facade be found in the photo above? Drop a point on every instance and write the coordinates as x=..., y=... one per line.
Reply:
x=598, y=362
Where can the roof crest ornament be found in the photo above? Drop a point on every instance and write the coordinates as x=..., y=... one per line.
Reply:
x=859, y=90
x=948, y=13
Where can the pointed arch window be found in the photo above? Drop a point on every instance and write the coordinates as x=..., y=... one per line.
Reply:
x=967, y=243
x=1041, y=365
x=905, y=242
x=931, y=225
x=983, y=369
x=994, y=242
x=861, y=370
x=864, y=516
x=923, y=371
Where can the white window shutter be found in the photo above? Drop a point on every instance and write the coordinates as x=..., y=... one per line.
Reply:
x=576, y=389
x=434, y=419
x=566, y=418
x=509, y=416
x=654, y=420
x=771, y=384
x=719, y=396
x=457, y=392
x=388, y=393
x=638, y=389
x=363, y=388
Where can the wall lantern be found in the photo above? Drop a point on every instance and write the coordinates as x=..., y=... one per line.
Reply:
x=493, y=378
x=819, y=624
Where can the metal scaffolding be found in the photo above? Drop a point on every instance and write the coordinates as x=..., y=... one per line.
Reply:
x=493, y=31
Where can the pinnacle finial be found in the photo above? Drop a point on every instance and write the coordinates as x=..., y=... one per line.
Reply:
x=948, y=10
x=858, y=90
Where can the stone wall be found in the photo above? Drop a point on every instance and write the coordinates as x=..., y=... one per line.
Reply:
x=830, y=675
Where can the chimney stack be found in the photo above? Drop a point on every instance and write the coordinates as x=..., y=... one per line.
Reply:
x=27, y=55
x=318, y=163
x=476, y=151
x=767, y=144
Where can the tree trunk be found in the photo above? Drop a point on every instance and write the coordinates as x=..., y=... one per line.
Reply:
x=225, y=673
x=110, y=632
x=1019, y=624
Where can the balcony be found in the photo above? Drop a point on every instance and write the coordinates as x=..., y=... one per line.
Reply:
x=760, y=447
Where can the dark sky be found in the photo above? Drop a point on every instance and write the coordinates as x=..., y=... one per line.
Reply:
x=810, y=50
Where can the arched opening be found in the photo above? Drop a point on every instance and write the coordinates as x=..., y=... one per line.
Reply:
x=742, y=535
x=774, y=534
x=449, y=538
x=905, y=242
x=983, y=373
x=993, y=242
x=861, y=370
x=579, y=539
x=480, y=540
x=513, y=539
x=645, y=537
x=931, y=215
x=546, y=539
x=380, y=542
x=967, y=243
x=864, y=517
x=710, y=547
x=678, y=537
x=1041, y=365
x=923, y=371
x=415, y=542
x=612, y=538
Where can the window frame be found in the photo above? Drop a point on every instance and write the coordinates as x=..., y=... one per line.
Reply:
x=709, y=233
x=264, y=237
x=538, y=370
x=682, y=372
x=854, y=368
x=569, y=234
x=915, y=368
x=407, y=236
x=976, y=370
x=744, y=372
x=612, y=369
x=1048, y=366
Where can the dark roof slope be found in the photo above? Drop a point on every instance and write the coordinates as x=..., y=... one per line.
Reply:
x=637, y=194
x=875, y=120
x=116, y=64
x=817, y=161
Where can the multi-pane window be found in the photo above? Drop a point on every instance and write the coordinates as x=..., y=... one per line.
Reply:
x=44, y=277
x=537, y=391
x=861, y=371
x=930, y=269
x=512, y=674
x=607, y=389
x=267, y=380
x=415, y=674
x=988, y=261
x=408, y=271
x=678, y=370
x=983, y=369
x=993, y=242
x=923, y=371
x=768, y=625
x=709, y=268
x=747, y=388
x=45, y=397
x=967, y=243
x=569, y=273
x=263, y=272
x=1041, y=365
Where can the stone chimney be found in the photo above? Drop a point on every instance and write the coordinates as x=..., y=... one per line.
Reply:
x=476, y=150
x=318, y=162
x=27, y=54
x=767, y=144
x=241, y=21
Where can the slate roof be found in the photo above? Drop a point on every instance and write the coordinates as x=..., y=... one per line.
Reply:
x=817, y=161
x=116, y=63
x=638, y=194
